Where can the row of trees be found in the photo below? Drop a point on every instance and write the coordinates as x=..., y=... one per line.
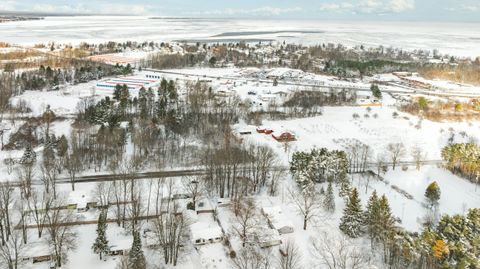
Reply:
x=463, y=159
x=319, y=165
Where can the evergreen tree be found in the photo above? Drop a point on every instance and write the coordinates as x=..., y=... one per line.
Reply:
x=100, y=246
x=345, y=188
x=432, y=193
x=29, y=156
x=353, y=217
x=386, y=225
x=329, y=201
x=376, y=91
x=117, y=92
x=124, y=96
x=372, y=217
x=136, y=258
x=172, y=90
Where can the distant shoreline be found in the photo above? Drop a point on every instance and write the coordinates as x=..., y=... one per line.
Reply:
x=12, y=18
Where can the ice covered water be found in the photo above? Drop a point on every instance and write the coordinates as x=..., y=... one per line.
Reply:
x=460, y=39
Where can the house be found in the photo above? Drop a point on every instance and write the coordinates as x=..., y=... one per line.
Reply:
x=264, y=130
x=277, y=220
x=117, y=251
x=120, y=245
x=266, y=237
x=36, y=252
x=281, y=94
x=223, y=202
x=205, y=206
x=269, y=98
x=284, y=137
x=80, y=201
x=206, y=233
x=366, y=99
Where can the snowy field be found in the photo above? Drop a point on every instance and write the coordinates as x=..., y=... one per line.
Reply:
x=462, y=37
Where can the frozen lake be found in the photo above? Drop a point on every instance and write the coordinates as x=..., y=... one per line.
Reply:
x=462, y=39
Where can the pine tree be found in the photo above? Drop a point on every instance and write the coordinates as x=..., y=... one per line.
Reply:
x=353, y=217
x=345, y=188
x=376, y=91
x=387, y=225
x=329, y=201
x=433, y=193
x=100, y=246
x=29, y=156
x=372, y=217
x=117, y=92
x=136, y=258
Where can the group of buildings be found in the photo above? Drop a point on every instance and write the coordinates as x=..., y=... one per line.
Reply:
x=132, y=82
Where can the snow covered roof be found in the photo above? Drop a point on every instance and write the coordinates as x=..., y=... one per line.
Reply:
x=205, y=230
x=266, y=235
x=276, y=217
x=79, y=198
x=205, y=204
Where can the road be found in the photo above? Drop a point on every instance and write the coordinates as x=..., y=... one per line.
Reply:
x=188, y=172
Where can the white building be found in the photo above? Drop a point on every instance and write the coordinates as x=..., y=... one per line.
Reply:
x=132, y=82
x=266, y=237
x=206, y=233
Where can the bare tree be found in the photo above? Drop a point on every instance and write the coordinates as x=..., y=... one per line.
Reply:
x=397, y=151
x=61, y=237
x=103, y=192
x=195, y=188
x=25, y=174
x=308, y=203
x=252, y=258
x=290, y=256
x=39, y=204
x=136, y=208
x=73, y=166
x=275, y=177
x=170, y=228
x=418, y=156
x=245, y=219
x=339, y=253
x=380, y=161
x=50, y=170
x=12, y=249
x=6, y=200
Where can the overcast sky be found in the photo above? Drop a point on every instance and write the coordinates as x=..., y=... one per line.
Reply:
x=424, y=10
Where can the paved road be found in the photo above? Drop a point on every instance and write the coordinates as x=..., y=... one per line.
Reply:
x=188, y=172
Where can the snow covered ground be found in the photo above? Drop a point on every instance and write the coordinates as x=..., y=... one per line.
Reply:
x=451, y=38
x=334, y=129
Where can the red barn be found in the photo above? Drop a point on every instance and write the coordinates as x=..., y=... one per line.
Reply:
x=285, y=137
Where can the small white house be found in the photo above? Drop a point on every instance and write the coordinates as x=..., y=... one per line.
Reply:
x=206, y=233
x=277, y=220
x=266, y=237
x=205, y=206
